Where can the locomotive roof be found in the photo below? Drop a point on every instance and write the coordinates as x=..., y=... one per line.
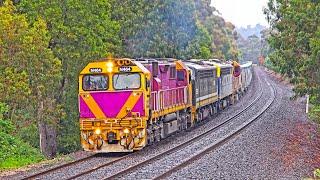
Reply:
x=199, y=66
x=221, y=65
x=159, y=60
x=103, y=63
x=247, y=64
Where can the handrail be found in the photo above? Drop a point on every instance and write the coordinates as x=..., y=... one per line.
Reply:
x=167, y=98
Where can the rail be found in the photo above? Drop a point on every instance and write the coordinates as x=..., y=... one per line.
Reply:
x=130, y=169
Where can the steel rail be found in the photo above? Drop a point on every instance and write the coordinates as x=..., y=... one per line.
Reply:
x=136, y=166
x=33, y=176
x=98, y=167
x=178, y=147
x=218, y=144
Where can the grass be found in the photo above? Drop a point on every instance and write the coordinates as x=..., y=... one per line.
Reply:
x=15, y=153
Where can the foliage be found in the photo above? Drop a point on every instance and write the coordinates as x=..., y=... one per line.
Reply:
x=31, y=72
x=250, y=48
x=5, y=125
x=271, y=66
x=178, y=29
x=14, y=152
x=158, y=29
x=295, y=38
x=254, y=46
x=81, y=31
x=222, y=33
x=45, y=43
x=315, y=110
x=256, y=30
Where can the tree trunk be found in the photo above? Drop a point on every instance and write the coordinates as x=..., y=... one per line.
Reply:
x=48, y=135
x=48, y=143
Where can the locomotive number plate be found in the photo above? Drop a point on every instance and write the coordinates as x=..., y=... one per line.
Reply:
x=125, y=69
x=95, y=70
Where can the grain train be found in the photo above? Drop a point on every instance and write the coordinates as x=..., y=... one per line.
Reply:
x=126, y=104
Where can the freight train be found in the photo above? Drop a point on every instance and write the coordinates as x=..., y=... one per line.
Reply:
x=126, y=104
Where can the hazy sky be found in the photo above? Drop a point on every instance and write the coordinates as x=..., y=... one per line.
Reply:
x=242, y=12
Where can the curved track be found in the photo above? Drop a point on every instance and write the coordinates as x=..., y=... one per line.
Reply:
x=172, y=150
x=201, y=153
x=218, y=144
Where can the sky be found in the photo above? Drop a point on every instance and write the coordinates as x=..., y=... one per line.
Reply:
x=242, y=12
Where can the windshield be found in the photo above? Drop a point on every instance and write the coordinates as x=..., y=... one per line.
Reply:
x=95, y=82
x=124, y=81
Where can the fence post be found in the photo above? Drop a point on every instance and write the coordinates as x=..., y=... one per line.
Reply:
x=307, y=104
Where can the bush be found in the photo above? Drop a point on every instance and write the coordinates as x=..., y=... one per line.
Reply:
x=315, y=109
x=15, y=153
x=30, y=135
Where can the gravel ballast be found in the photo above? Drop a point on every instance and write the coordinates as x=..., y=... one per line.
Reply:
x=281, y=144
x=260, y=152
x=150, y=150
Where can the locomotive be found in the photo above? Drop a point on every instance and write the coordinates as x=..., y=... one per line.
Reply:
x=126, y=104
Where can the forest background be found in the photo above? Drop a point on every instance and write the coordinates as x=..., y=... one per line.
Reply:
x=45, y=43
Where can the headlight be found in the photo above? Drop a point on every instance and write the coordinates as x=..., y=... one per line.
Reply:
x=110, y=64
x=109, y=69
x=97, y=131
x=126, y=131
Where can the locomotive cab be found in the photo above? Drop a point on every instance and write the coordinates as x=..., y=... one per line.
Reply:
x=112, y=105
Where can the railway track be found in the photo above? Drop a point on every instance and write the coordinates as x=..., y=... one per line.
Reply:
x=197, y=154
x=55, y=169
x=34, y=176
x=178, y=147
x=214, y=146
x=133, y=167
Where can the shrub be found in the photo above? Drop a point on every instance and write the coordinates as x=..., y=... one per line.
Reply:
x=15, y=153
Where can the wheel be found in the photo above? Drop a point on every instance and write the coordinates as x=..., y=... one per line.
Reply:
x=150, y=136
x=157, y=134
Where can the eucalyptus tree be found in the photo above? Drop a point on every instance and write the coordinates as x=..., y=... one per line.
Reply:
x=30, y=75
x=295, y=39
x=80, y=31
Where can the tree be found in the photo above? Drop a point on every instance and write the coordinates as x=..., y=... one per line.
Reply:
x=250, y=48
x=31, y=75
x=295, y=40
x=80, y=31
x=223, y=35
x=167, y=28
x=163, y=28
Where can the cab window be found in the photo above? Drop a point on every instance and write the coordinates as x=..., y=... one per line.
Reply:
x=95, y=82
x=126, y=81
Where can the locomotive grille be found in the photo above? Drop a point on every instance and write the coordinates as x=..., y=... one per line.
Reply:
x=89, y=125
x=86, y=125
